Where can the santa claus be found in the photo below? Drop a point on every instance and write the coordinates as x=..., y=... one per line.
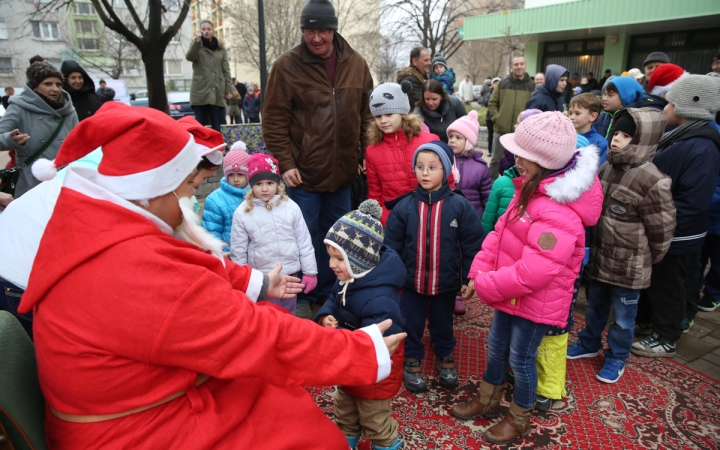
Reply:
x=144, y=340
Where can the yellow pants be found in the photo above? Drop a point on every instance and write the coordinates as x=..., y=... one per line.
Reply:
x=551, y=366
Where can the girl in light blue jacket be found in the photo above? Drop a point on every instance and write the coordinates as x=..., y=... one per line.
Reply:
x=221, y=204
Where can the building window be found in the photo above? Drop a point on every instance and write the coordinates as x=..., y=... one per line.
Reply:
x=173, y=67
x=83, y=9
x=171, y=5
x=47, y=31
x=86, y=26
x=88, y=44
x=3, y=29
x=6, y=67
x=131, y=68
x=176, y=39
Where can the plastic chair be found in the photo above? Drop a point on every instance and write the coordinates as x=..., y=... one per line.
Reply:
x=22, y=406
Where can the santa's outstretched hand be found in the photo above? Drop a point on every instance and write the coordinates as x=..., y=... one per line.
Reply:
x=392, y=341
x=282, y=286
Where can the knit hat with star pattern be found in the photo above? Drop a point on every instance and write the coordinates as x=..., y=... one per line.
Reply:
x=359, y=236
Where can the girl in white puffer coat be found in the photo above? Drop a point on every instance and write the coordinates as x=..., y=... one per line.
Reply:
x=268, y=228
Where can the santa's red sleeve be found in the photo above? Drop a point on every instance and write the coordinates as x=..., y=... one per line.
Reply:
x=245, y=278
x=227, y=337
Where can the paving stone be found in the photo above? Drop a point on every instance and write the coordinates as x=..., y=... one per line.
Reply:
x=706, y=323
x=713, y=317
x=691, y=348
x=715, y=359
x=712, y=340
x=700, y=331
x=706, y=367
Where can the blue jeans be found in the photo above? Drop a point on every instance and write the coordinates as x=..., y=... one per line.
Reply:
x=624, y=302
x=210, y=115
x=414, y=307
x=711, y=252
x=514, y=341
x=321, y=210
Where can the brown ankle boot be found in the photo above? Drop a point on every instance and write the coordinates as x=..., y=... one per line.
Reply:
x=486, y=403
x=515, y=423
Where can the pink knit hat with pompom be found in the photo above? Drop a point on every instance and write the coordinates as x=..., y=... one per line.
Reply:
x=469, y=127
x=236, y=161
x=548, y=139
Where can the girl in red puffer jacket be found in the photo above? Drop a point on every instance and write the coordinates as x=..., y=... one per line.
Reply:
x=394, y=137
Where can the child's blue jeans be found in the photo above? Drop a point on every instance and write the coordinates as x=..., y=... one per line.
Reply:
x=514, y=340
x=624, y=303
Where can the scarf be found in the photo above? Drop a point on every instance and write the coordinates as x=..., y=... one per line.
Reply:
x=54, y=104
x=670, y=137
x=210, y=44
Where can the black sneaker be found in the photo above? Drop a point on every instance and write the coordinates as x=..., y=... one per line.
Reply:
x=643, y=329
x=654, y=346
x=543, y=403
x=448, y=374
x=707, y=304
x=303, y=311
x=412, y=376
x=686, y=324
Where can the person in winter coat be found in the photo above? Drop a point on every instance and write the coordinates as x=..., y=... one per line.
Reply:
x=711, y=253
x=557, y=195
x=393, y=138
x=466, y=90
x=506, y=103
x=233, y=107
x=211, y=81
x=34, y=116
x=584, y=111
x=443, y=74
x=437, y=109
x=268, y=228
x=81, y=89
x=623, y=92
x=548, y=97
x=185, y=357
x=105, y=93
x=690, y=155
x=416, y=73
x=437, y=232
x=251, y=106
x=370, y=277
x=633, y=233
x=220, y=205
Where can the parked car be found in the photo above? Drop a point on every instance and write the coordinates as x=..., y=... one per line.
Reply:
x=477, y=89
x=178, y=102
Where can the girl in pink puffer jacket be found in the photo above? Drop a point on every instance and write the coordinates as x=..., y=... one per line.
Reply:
x=528, y=265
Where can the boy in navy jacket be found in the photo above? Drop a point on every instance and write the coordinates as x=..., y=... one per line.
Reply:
x=690, y=156
x=437, y=233
x=367, y=292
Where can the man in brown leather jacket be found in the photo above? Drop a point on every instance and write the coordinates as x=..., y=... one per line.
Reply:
x=416, y=73
x=315, y=117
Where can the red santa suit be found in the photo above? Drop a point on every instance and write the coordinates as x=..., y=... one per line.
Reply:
x=127, y=316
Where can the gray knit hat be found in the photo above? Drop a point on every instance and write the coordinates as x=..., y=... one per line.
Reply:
x=656, y=56
x=695, y=97
x=390, y=98
x=318, y=15
x=439, y=59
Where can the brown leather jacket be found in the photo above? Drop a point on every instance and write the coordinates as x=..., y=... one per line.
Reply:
x=312, y=126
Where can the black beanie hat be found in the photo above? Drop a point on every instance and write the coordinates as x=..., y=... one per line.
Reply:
x=40, y=69
x=318, y=15
x=625, y=123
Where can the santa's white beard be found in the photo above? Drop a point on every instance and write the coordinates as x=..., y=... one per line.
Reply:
x=191, y=231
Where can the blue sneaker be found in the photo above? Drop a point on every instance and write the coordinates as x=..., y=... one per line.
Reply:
x=352, y=441
x=611, y=372
x=576, y=350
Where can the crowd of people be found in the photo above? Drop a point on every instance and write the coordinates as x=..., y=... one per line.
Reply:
x=198, y=326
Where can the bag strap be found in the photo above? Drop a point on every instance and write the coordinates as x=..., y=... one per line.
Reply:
x=35, y=155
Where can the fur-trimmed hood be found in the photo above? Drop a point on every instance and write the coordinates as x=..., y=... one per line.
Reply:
x=411, y=70
x=579, y=188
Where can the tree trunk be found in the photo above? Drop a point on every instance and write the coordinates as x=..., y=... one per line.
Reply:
x=152, y=56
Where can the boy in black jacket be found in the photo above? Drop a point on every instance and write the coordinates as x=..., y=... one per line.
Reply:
x=690, y=155
x=437, y=233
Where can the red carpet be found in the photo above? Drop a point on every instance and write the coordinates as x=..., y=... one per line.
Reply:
x=658, y=403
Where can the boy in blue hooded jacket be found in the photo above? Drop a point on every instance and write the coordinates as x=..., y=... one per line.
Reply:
x=437, y=233
x=623, y=92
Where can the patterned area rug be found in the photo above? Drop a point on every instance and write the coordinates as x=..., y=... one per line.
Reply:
x=658, y=403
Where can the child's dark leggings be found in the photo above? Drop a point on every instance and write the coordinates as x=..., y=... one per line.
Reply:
x=415, y=308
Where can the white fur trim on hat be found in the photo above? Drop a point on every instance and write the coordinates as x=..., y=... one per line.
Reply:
x=214, y=155
x=154, y=182
x=662, y=90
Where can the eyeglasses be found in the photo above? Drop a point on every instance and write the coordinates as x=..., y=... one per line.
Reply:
x=431, y=169
x=319, y=33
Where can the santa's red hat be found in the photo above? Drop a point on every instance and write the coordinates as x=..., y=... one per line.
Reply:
x=663, y=78
x=146, y=154
x=208, y=142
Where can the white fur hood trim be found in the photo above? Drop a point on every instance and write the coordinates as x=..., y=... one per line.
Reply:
x=569, y=186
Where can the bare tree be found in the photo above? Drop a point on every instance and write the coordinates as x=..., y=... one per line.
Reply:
x=149, y=30
x=119, y=55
